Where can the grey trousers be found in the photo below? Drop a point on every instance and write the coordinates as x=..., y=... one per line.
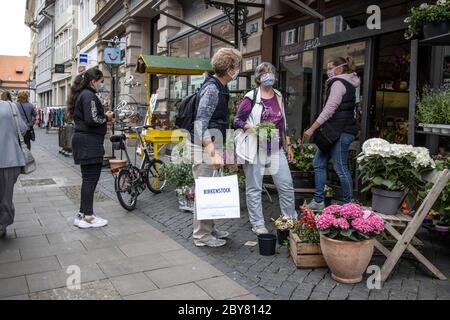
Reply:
x=279, y=169
x=8, y=177
x=202, y=228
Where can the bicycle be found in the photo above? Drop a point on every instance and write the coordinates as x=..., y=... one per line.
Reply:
x=131, y=181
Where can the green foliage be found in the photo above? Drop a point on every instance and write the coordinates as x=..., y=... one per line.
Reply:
x=303, y=155
x=426, y=13
x=265, y=130
x=178, y=174
x=433, y=107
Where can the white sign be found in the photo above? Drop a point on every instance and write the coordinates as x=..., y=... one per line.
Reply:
x=83, y=62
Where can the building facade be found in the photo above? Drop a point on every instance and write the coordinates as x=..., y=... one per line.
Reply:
x=14, y=74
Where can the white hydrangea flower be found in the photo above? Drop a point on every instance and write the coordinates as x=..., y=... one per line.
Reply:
x=407, y=20
x=424, y=6
x=441, y=2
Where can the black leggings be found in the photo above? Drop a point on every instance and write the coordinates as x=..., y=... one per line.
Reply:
x=90, y=174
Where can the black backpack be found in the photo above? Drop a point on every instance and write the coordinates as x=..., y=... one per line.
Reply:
x=187, y=111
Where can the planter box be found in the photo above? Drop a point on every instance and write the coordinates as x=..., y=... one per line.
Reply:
x=305, y=255
x=431, y=30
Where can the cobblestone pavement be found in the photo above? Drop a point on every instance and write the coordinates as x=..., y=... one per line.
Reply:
x=276, y=277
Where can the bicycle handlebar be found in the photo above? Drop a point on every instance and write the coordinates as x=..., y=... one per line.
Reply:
x=135, y=128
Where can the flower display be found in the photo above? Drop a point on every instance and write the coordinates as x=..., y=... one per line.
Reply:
x=284, y=222
x=394, y=167
x=303, y=155
x=349, y=222
x=306, y=228
x=426, y=13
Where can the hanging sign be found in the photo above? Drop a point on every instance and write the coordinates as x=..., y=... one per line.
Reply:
x=83, y=62
x=112, y=56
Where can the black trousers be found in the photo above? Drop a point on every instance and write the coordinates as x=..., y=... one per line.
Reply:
x=27, y=139
x=90, y=174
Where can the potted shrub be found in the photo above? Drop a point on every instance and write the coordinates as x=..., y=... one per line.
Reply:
x=347, y=240
x=302, y=168
x=433, y=110
x=179, y=174
x=431, y=19
x=304, y=242
x=283, y=224
x=391, y=171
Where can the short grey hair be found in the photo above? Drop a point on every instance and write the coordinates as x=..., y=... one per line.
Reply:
x=263, y=68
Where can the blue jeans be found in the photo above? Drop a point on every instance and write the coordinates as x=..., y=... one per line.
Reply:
x=339, y=154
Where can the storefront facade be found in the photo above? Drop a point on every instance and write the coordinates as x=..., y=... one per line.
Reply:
x=390, y=67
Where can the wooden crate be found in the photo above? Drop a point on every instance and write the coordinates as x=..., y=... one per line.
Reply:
x=305, y=255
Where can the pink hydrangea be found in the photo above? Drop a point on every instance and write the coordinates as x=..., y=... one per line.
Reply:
x=371, y=224
x=342, y=223
x=351, y=211
x=325, y=221
x=333, y=209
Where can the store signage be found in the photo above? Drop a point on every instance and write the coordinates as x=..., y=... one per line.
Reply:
x=112, y=56
x=83, y=62
x=60, y=68
x=300, y=47
x=311, y=44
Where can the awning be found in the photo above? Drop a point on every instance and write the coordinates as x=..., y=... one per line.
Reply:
x=173, y=65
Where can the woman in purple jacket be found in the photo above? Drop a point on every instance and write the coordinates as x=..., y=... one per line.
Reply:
x=339, y=112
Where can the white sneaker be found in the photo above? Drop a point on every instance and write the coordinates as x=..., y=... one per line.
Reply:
x=78, y=218
x=260, y=230
x=95, y=222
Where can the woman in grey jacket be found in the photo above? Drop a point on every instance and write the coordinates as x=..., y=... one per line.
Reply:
x=11, y=161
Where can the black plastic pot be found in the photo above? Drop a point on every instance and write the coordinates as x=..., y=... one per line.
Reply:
x=328, y=201
x=303, y=180
x=282, y=236
x=267, y=243
x=434, y=29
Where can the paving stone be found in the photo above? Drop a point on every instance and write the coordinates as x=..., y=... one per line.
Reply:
x=9, y=256
x=14, y=269
x=182, y=274
x=221, y=288
x=98, y=290
x=133, y=284
x=149, y=247
x=133, y=265
x=58, y=279
x=13, y=287
x=180, y=257
x=188, y=291
x=90, y=257
x=17, y=298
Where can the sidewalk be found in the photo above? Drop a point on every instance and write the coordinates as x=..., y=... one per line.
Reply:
x=129, y=259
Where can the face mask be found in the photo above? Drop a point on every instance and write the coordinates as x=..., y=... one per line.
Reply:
x=235, y=75
x=101, y=88
x=330, y=72
x=268, y=79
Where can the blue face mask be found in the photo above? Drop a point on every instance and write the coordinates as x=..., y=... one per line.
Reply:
x=268, y=79
x=102, y=88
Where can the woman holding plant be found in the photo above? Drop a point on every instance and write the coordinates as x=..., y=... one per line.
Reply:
x=335, y=129
x=262, y=112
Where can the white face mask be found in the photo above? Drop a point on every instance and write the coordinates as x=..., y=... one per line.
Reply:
x=331, y=71
x=268, y=79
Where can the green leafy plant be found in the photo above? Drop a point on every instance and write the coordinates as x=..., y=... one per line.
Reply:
x=178, y=174
x=433, y=106
x=426, y=13
x=303, y=155
x=265, y=130
x=236, y=170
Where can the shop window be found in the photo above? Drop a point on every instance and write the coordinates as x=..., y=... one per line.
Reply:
x=333, y=25
x=224, y=30
x=199, y=45
x=179, y=48
x=290, y=36
x=296, y=84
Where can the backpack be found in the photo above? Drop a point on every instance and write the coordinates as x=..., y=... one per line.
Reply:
x=187, y=111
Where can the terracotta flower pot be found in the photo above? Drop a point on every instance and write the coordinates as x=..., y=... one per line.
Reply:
x=347, y=260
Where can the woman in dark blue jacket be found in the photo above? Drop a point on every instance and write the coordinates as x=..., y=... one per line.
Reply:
x=91, y=121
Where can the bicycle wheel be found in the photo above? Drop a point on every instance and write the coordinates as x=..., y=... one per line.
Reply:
x=125, y=190
x=155, y=182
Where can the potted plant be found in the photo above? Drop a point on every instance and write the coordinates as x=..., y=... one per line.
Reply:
x=433, y=110
x=347, y=240
x=283, y=224
x=304, y=242
x=392, y=171
x=265, y=130
x=302, y=168
x=431, y=19
x=180, y=175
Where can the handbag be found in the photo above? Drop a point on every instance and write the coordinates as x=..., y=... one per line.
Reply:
x=30, y=163
x=326, y=136
x=31, y=130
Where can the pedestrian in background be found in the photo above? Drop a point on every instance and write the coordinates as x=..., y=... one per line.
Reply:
x=28, y=113
x=11, y=160
x=85, y=108
x=6, y=96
